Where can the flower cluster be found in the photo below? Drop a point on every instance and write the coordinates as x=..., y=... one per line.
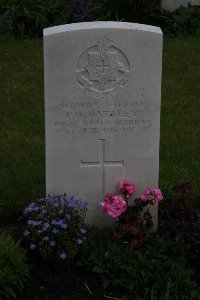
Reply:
x=114, y=205
x=127, y=187
x=151, y=196
x=55, y=226
x=133, y=220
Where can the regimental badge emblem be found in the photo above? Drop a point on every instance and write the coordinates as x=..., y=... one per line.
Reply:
x=101, y=69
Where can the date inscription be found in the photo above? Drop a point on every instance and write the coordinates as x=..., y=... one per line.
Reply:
x=85, y=118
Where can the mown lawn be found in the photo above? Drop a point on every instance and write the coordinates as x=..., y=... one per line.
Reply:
x=180, y=115
x=22, y=154
x=22, y=123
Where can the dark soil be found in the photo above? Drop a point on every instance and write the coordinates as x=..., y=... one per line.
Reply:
x=71, y=283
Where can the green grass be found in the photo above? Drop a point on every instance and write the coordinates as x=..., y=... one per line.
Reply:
x=180, y=114
x=22, y=124
x=22, y=156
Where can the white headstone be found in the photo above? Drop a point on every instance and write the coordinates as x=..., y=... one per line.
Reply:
x=172, y=5
x=102, y=109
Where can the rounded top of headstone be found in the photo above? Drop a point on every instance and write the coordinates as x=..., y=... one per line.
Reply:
x=100, y=25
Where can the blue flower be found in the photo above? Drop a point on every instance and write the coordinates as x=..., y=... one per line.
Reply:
x=32, y=246
x=30, y=222
x=68, y=217
x=38, y=222
x=79, y=241
x=83, y=230
x=61, y=221
x=54, y=213
x=36, y=208
x=44, y=228
x=33, y=222
x=52, y=243
x=64, y=226
x=55, y=230
x=46, y=225
x=26, y=233
x=54, y=222
x=83, y=204
x=63, y=255
x=78, y=203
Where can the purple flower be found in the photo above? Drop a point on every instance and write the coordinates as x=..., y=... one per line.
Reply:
x=54, y=222
x=36, y=208
x=30, y=208
x=30, y=222
x=33, y=222
x=46, y=226
x=68, y=217
x=31, y=205
x=83, y=230
x=55, y=230
x=26, y=233
x=63, y=255
x=79, y=241
x=54, y=213
x=44, y=229
x=60, y=222
x=64, y=226
x=32, y=246
x=52, y=243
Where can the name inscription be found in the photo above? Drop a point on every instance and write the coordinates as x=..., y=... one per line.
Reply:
x=102, y=118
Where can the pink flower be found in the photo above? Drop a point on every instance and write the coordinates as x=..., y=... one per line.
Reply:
x=114, y=205
x=152, y=195
x=127, y=187
x=158, y=194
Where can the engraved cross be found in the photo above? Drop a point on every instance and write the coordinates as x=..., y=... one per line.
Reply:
x=102, y=163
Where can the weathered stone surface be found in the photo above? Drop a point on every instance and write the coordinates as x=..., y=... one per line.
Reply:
x=102, y=109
